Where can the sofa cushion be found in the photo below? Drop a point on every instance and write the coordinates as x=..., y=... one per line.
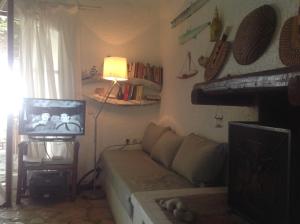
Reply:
x=131, y=171
x=200, y=160
x=165, y=149
x=151, y=135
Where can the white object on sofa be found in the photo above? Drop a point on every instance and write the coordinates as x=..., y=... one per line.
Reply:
x=147, y=211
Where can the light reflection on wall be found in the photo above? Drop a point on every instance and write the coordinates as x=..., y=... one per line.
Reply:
x=131, y=18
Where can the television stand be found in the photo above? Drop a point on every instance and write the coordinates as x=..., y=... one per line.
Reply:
x=52, y=138
x=26, y=164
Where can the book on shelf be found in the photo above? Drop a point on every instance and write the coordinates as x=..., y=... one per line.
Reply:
x=126, y=91
x=145, y=71
x=131, y=92
x=139, y=92
x=141, y=70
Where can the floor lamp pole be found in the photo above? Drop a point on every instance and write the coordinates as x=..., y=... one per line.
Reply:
x=93, y=194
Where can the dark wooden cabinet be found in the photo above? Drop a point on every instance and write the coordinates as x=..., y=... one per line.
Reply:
x=25, y=165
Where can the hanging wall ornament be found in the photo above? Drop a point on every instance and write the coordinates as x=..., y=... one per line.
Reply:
x=289, y=42
x=214, y=64
x=219, y=118
x=192, y=33
x=188, y=12
x=254, y=35
x=216, y=27
x=191, y=68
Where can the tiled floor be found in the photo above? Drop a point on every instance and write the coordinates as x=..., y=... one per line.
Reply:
x=81, y=211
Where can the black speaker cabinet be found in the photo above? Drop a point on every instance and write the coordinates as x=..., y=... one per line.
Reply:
x=48, y=185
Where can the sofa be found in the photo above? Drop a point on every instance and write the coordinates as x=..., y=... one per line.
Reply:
x=165, y=161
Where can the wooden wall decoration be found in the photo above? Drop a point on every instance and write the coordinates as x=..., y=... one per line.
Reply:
x=188, y=12
x=192, y=33
x=214, y=64
x=216, y=27
x=289, y=42
x=254, y=35
x=191, y=72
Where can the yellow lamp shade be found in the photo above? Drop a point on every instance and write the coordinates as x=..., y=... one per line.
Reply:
x=115, y=68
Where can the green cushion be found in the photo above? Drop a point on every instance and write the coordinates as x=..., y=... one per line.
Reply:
x=165, y=149
x=151, y=135
x=200, y=160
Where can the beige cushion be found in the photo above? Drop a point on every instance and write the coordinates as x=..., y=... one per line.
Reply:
x=165, y=149
x=151, y=135
x=200, y=160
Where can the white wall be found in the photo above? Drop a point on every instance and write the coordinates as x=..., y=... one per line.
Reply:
x=120, y=28
x=176, y=102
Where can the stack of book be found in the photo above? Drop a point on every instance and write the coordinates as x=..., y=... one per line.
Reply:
x=136, y=92
x=132, y=92
x=145, y=71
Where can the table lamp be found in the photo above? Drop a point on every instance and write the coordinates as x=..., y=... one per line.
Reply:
x=114, y=69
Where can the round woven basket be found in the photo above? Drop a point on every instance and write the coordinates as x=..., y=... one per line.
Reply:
x=254, y=35
x=287, y=54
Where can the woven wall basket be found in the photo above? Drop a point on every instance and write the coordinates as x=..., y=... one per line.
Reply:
x=254, y=35
x=289, y=47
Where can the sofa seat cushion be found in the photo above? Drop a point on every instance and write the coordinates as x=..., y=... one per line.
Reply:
x=131, y=171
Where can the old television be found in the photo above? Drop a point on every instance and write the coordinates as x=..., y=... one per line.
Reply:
x=52, y=117
x=261, y=183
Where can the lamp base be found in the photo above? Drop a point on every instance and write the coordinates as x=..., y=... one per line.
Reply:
x=93, y=195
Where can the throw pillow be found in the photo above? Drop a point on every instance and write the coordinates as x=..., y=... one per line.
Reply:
x=151, y=135
x=166, y=147
x=200, y=160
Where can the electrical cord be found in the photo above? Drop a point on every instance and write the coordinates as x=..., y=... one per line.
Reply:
x=122, y=147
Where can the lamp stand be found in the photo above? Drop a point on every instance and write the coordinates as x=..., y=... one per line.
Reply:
x=94, y=195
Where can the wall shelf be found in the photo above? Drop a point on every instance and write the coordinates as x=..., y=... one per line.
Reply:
x=243, y=90
x=134, y=81
x=117, y=102
x=150, y=89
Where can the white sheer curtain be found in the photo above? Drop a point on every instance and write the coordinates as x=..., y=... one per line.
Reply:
x=48, y=48
x=48, y=54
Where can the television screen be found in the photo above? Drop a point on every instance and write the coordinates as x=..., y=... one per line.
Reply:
x=259, y=169
x=52, y=117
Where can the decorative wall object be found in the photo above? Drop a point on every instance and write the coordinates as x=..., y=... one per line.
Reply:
x=216, y=27
x=191, y=71
x=194, y=7
x=192, y=33
x=219, y=117
x=289, y=43
x=254, y=35
x=100, y=91
x=91, y=73
x=214, y=64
